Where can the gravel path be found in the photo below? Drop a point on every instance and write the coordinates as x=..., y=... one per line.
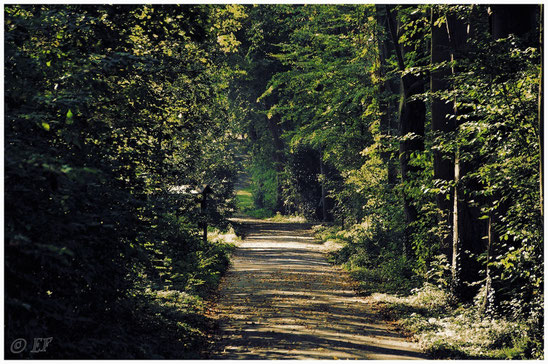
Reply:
x=282, y=300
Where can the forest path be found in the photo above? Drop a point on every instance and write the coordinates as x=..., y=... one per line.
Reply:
x=281, y=299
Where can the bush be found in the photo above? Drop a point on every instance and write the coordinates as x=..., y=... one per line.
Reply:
x=372, y=256
x=459, y=332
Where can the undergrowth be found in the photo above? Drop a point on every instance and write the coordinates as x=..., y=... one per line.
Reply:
x=161, y=316
x=245, y=204
x=172, y=322
x=375, y=268
x=446, y=331
x=287, y=218
x=423, y=306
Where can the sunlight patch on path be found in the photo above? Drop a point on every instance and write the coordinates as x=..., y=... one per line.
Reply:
x=282, y=300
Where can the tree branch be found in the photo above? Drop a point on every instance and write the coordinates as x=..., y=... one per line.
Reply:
x=392, y=29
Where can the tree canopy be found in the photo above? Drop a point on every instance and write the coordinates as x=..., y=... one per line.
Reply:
x=417, y=129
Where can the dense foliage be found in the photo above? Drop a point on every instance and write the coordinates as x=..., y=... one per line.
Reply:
x=107, y=110
x=415, y=129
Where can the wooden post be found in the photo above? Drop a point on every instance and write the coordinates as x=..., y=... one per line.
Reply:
x=322, y=174
x=205, y=190
x=204, y=223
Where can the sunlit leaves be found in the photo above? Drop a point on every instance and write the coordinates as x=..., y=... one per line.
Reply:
x=106, y=106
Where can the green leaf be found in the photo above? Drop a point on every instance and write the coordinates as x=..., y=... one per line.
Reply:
x=45, y=126
x=69, y=117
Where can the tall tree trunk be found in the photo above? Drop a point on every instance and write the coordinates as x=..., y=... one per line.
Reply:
x=456, y=264
x=278, y=157
x=384, y=122
x=394, y=88
x=412, y=114
x=442, y=124
x=387, y=110
x=488, y=279
x=468, y=230
x=322, y=181
x=519, y=20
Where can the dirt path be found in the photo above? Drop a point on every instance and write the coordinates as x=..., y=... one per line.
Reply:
x=282, y=300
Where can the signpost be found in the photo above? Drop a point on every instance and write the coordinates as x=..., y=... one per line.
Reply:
x=204, y=191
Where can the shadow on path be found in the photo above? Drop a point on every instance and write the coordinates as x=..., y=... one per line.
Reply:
x=282, y=300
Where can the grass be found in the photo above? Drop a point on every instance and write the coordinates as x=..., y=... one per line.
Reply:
x=246, y=206
x=379, y=271
x=223, y=237
x=244, y=200
x=287, y=218
x=259, y=213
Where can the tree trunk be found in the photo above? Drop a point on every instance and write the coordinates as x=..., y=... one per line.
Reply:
x=412, y=114
x=394, y=88
x=468, y=230
x=519, y=20
x=322, y=181
x=386, y=108
x=278, y=157
x=441, y=122
x=456, y=266
x=488, y=279
x=514, y=19
x=384, y=122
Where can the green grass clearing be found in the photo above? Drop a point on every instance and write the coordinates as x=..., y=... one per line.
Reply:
x=245, y=205
x=244, y=200
x=287, y=218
